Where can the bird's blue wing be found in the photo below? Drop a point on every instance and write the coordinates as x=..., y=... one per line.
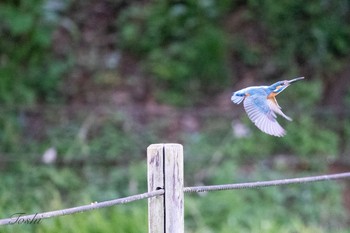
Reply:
x=238, y=97
x=260, y=113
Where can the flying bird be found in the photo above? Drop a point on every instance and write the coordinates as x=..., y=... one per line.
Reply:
x=261, y=105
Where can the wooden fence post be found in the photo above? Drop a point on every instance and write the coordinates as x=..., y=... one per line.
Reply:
x=165, y=171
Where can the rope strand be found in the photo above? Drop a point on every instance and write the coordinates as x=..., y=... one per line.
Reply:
x=261, y=184
x=83, y=208
x=147, y=195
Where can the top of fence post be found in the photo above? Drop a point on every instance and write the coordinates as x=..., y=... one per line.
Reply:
x=165, y=171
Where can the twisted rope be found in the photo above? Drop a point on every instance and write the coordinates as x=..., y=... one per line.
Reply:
x=261, y=184
x=83, y=208
x=147, y=195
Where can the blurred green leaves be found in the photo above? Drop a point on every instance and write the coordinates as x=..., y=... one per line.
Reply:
x=267, y=211
x=26, y=55
x=184, y=49
x=29, y=72
x=314, y=33
x=181, y=44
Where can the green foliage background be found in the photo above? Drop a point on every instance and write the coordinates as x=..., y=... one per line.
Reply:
x=181, y=45
x=188, y=53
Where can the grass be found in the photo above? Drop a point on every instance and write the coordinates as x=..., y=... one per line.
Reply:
x=212, y=156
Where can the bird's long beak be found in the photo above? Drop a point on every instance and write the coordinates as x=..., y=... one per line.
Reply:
x=295, y=80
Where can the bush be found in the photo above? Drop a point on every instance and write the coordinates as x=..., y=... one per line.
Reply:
x=28, y=69
x=310, y=34
x=182, y=46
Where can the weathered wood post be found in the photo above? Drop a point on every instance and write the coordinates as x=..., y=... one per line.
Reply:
x=165, y=171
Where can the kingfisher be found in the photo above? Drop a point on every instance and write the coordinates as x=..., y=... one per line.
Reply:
x=261, y=105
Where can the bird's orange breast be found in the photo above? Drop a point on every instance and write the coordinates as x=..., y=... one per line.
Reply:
x=271, y=95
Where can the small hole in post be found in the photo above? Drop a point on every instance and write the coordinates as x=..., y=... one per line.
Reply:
x=159, y=188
